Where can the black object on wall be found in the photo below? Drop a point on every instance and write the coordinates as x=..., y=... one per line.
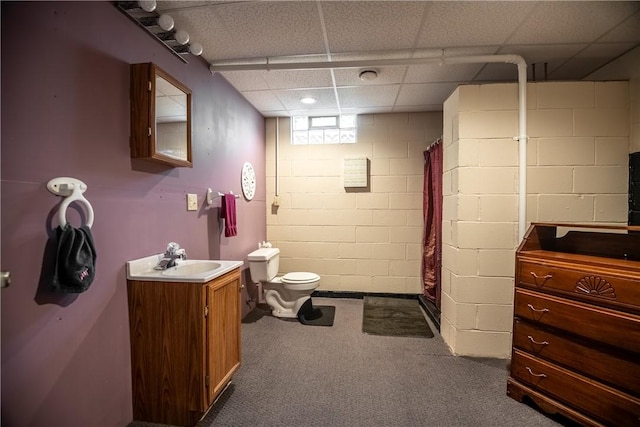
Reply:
x=634, y=188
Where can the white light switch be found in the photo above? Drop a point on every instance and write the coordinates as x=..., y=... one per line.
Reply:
x=192, y=202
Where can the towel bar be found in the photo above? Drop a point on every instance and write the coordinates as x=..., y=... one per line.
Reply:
x=72, y=190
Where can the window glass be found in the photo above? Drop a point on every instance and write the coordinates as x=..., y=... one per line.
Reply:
x=324, y=129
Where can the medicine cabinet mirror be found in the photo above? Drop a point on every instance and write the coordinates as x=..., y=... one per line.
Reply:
x=160, y=116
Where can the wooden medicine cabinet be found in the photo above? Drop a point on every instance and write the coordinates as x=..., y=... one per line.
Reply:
x=160, y=116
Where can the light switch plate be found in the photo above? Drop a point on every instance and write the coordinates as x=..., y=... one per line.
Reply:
x=192, y=202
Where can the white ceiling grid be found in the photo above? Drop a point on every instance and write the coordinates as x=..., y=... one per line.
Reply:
x=573, y=38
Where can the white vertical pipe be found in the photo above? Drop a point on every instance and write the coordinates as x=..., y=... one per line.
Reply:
x=277, y=142
x=522, y=149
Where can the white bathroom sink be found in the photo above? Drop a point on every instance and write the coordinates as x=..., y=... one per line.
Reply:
x=191, y=267
x=191, y=270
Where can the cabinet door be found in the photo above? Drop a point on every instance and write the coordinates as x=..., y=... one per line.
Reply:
x=223, y=332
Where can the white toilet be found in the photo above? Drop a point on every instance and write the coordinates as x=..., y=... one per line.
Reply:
x=286, y=294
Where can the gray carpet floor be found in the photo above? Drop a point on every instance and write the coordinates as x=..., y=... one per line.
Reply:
x=297, y=375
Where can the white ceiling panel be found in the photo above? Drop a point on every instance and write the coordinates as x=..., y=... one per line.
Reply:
x=246, y=80
x=571, y=22
x=573, y=39
x=298, y=79
x=368, y=96
x=471, y=23
x=354, y=26
x=386, y=76
x=291, y=99
x=425, y=93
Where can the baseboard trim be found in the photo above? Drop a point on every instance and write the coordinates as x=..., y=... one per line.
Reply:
x=429, y=307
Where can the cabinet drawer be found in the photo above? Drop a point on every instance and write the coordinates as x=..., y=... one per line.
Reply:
x=589, y=396
x=618, y=370
x=586, y=283
x=600, y=324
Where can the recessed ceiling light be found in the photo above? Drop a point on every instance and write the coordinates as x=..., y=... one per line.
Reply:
x=308, y=100
x=368, y=75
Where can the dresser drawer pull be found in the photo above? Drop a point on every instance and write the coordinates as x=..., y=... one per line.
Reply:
x=535, y=375
x=537, y=342
x=543, y=278
x=537, y=310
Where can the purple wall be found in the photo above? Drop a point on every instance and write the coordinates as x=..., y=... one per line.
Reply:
x=65, y=112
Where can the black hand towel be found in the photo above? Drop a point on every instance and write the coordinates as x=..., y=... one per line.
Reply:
x=75, y=260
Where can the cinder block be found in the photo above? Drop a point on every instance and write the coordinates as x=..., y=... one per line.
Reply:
x=406, y=234
x=612, y=208
x=396, y=218
x=554, y=95
x=396, y=149
x=405, y=201
x=549, y=180
x=612, y=151
x=552, y=123
x=372, y=267
x=468, y=207
x=493, y=317
x=467, y=153
x=372, y=201
x=601, y=122
x=498, y=152
x=413, y=166
x=488, y=124
x=565, y=207
x=388, y=251
x=490, y=235
x=497, y=263
x=482, y=343
x=482, y=290
x=601, y=179
x=355, y=250
x=566, y=151
x=388, y=184
x=404, y=268
x=498, y=208
x=612, y=94
x=486, y=180
x=372, y=234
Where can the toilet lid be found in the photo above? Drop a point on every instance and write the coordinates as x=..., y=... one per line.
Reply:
x=300, y=277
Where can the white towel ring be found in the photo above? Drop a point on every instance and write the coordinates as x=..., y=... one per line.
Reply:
x=72, y=190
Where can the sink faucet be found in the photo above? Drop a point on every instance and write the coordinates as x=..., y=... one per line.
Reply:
x=170, y=257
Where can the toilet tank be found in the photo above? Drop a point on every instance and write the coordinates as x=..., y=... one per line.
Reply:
x=264, y=264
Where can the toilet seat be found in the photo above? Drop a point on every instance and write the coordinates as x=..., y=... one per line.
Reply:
x=299, y=278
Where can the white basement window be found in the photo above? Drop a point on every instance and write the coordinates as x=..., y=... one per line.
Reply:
x=324, y=129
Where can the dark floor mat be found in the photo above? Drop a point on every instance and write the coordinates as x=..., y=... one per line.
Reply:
x=321, y=315
x=398, y=317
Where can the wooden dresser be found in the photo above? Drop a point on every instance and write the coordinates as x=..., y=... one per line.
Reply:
x=576, y=329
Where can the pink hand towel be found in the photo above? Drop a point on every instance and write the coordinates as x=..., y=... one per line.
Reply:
x=228, y=212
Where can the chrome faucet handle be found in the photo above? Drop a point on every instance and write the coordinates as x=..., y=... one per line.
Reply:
x=172, y=248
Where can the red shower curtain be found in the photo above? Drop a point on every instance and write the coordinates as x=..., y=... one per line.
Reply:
x=432, y=212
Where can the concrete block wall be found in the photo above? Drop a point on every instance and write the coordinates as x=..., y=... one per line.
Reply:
x=360, y=241
x=577, y=157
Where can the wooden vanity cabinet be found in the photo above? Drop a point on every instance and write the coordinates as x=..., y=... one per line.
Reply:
x=576, y=333
x=185, y=346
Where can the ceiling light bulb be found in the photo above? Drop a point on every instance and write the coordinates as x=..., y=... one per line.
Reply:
x=368, y=75
x=165, y=22
x=195, y=49
x=182, y=37
x=308, y=100
x=147, y=5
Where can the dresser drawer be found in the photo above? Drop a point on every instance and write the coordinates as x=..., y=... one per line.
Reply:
x=600, y=324
x=588, y=283
x=591, y=397
x=616, y=369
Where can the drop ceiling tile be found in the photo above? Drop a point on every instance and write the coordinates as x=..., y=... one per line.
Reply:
x=471, y=23
x=281, y=79
x=627, y=31
x=424, y=94
x=254, y=29
x=442, y=73
x=291, y=98
x=497, y=72
x=364, y=26
x=589, y=60
x=368, y=96
x=553, y=22
x=386, y=76
x=263, y=100
x=246, y=80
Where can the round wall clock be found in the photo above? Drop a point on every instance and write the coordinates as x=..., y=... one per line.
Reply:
x=248, y=181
